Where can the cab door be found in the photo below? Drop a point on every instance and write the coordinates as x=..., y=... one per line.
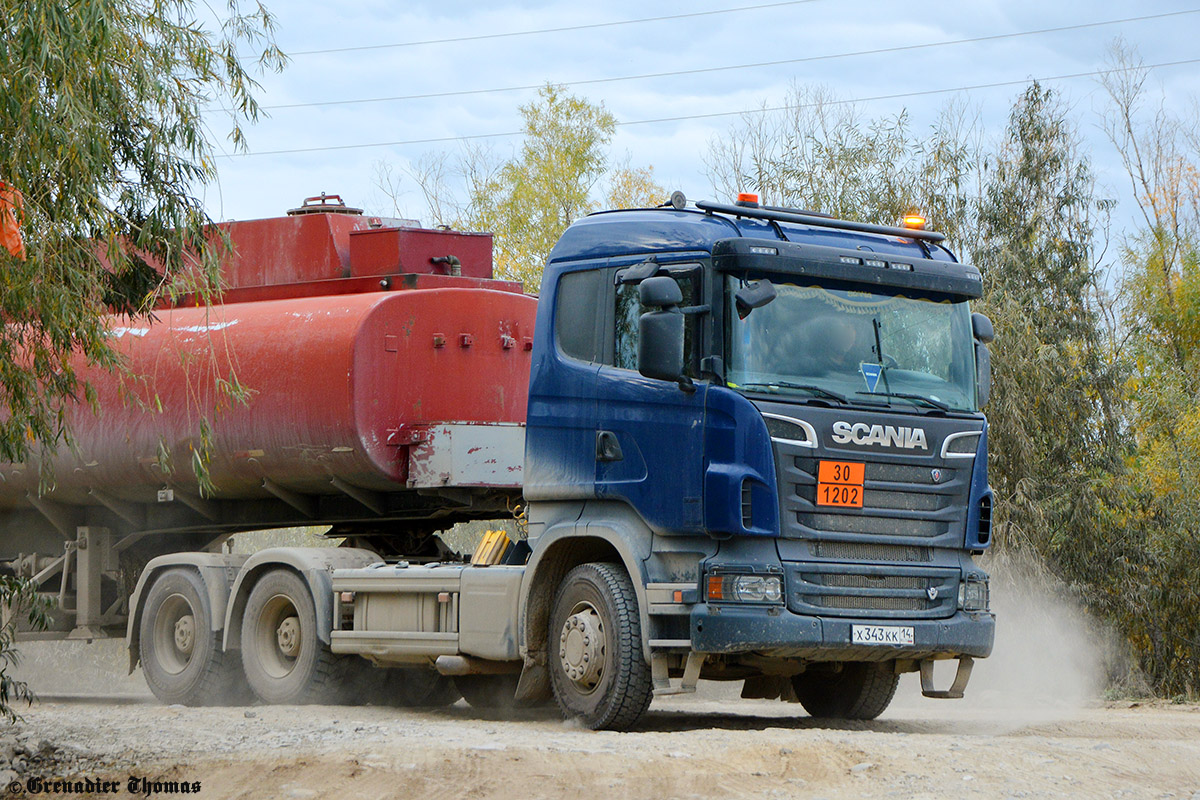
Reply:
x=650, y=433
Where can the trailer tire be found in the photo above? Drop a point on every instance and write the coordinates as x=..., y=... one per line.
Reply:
x=597, y=669
x=181, y=654
x=286, y=663
x=860, y=690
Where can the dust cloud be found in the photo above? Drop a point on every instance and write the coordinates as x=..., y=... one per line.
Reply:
x=1050, y=657
x=79, y=668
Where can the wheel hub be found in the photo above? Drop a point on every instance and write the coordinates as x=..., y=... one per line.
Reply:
x=287, y=636
x=185, y=634
x=581, y=647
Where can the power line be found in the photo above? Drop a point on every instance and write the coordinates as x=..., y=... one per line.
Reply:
x=716, y=114
x=563, y=29
x=703, y=70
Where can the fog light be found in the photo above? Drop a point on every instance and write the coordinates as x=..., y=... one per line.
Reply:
x=746, y=588
x=973, y=594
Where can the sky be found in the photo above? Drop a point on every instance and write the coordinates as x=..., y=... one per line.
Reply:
x=325, y=139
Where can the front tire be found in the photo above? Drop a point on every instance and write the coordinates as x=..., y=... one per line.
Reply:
x=860, y=690
x=181, y=654
x=286, y=663
x=597, y=668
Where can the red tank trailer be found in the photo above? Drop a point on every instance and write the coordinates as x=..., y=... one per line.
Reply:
x=387, y=374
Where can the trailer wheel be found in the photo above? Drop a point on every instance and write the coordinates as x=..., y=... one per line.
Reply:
x=489, y=691
x=597, y=668
x=860, y=690
x=181, y=654
x=286, y=663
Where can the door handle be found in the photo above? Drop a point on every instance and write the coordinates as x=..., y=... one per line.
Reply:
x=607, y=446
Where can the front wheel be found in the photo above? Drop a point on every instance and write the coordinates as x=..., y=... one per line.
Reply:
x=597, y=669
x=859, y=690
x=180, y=652
x=285, y=660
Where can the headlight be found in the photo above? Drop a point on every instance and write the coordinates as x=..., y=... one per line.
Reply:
x=745, y=588
x=973, y=594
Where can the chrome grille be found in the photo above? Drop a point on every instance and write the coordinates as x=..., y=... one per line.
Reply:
x=873, y=603
x=880, y=526
x=899, y=500
x=904, y=501
x=864, y=551
x=858, y=590
x=871, y=581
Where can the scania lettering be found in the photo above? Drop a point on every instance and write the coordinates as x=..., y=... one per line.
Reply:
x=742, y=443
x=885, y=435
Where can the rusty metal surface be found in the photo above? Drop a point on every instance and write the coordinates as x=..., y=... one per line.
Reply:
x=337, y=368
x=332, y=380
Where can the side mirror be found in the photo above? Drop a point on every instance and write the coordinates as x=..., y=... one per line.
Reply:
x=660, y=345
x=981, y=327
x=752, y=296
x=660, y=333
x=660, y=292
x=983, y=372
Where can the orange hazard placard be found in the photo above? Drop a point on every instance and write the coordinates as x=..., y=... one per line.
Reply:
x=840, y=483
x=11, y=208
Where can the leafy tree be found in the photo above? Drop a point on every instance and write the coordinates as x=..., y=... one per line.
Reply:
x=823, y=154
x=102, y=132
x=1160, y=580
x=529, y=199
x=18, y=599
x=1055, y=414
x=633, y=187
x=102, y=135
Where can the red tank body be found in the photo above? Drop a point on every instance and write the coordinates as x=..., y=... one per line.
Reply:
x=355, y=340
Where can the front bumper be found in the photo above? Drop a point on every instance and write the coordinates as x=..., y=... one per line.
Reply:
x=776, y=632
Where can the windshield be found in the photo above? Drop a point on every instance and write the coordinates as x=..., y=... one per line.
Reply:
x=855, y=347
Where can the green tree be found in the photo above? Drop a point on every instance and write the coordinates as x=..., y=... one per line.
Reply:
x=19, y=600
x=529, y=199
x=103, y=134
x=102, y=130
x=823, y=154
x=1055, y=413
x=1160, y=588
x=633, y=187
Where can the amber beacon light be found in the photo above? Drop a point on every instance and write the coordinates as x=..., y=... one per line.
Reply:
x=914, y=220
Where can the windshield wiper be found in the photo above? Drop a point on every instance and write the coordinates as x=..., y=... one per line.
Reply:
x=938, y=404
x=805, y=387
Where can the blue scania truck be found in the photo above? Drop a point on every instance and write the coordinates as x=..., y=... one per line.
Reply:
x=753, y=451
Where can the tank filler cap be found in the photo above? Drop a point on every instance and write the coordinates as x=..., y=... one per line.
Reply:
x=324, y=204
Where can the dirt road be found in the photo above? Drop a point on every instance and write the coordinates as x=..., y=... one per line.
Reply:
x=712, y=747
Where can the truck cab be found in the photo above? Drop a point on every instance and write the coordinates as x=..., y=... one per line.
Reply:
x=771, y=422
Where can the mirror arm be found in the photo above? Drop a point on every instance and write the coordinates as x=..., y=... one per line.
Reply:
x=638, y=272
x=689, y=310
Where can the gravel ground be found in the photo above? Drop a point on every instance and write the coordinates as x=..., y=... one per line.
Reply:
x=711, y=746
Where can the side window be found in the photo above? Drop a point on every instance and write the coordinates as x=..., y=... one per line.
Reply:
x=579, y=316
x=629, y=309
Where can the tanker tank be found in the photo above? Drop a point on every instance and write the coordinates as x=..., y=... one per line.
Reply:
x=386, y=375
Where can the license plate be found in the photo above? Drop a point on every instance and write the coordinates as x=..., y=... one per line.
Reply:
x=887, y=635
x=840, y=483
